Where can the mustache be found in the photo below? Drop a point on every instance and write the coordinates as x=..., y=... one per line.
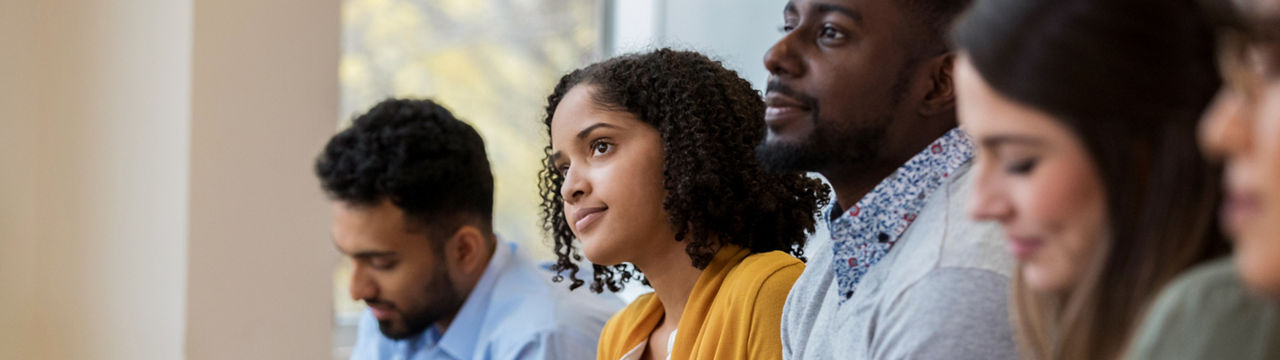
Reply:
x=379, y=302
x=775, y=85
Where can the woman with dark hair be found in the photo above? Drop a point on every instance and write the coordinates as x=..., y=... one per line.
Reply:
x=1085, y=114
x=1230, y=308
x=651, y=167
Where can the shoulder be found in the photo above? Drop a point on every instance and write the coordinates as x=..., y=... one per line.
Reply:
x=949, y=293
x=967, y=243
x=1207, y=283
x=524, y=301
x=935, y=316
x=763, y=275
x=1206, y=292
x=624, y=328
x=631, y=316
x=1206, y=313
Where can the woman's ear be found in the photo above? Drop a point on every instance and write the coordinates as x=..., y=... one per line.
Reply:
x=941, y=97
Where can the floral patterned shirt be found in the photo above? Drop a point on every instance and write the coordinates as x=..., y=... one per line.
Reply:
x=862, y=235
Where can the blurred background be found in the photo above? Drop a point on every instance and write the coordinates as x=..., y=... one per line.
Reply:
x=156, y=194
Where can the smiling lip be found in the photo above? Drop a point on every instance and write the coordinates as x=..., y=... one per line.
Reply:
x=586, y=216
x=782, y=108
x=1023, y=247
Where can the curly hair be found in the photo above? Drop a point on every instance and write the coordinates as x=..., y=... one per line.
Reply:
x=417, y=155
x=710, y=121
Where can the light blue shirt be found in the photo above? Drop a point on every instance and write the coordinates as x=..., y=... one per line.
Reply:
x=515, y=312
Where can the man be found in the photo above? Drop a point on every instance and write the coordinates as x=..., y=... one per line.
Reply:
x=413, y=205
x=860, y=91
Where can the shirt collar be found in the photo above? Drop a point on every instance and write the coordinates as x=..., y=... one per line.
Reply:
x=865, y=233
x=464, y=331
x=906, y=188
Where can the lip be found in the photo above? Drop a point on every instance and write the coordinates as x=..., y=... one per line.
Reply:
x=380, y=312
x=584, y=217
x=781, y=109
x=1023, y=247
x=1238, y=209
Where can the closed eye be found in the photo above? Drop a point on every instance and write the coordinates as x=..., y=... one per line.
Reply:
x=1021, y=167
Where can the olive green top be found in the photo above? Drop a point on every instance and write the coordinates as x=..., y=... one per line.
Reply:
x=1207, y=313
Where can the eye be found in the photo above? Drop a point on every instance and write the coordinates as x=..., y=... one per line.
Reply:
x=562, y=169
x=1021, y=167
x=786, y=28
x=382, y=264
x=830, y=33
x=600, y=147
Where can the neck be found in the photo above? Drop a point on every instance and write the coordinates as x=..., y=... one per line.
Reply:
x=850, y=188
x=463, y=290
x=672, y=277
x=852, y=181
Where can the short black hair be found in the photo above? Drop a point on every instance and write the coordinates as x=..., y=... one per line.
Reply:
x=710, y=121
x=417, y=155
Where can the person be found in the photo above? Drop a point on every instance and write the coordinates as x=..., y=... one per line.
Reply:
x=650, y=174
x=860, y=91
x=1230, y=308
x=1084, y=112
x=412, y=208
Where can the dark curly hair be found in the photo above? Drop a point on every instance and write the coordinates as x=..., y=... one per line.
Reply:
x=710, y=120
x=417, y=155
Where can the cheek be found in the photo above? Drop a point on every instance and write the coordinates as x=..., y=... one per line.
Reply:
x=1064, y=202
x=1069, y=213
x=1267, y=153
x=641, y=186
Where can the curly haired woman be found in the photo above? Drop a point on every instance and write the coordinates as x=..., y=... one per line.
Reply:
x=652, y=168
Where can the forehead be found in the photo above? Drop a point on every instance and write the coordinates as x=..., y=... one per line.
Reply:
x=578, y=111
x=380, y=227
x=861, y=10
x=983, y=110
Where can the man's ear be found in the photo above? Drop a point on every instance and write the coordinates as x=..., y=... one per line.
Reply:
x=469, y=249
x=941, y=97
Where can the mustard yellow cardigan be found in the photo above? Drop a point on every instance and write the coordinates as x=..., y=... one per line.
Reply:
x=734, y=311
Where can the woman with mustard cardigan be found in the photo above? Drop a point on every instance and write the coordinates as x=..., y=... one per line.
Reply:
x=651, y=167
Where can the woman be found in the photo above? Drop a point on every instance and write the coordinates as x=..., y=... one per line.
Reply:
x=1230, y=309
x=1085, y=115
x=652, y=164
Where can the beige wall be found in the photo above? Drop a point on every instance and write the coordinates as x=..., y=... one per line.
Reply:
x=21, y=288
x=266, y=99
x=155, y=194
x=94, y=182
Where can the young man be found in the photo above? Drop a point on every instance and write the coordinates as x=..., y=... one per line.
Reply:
x=861, y=92
x=413, y=203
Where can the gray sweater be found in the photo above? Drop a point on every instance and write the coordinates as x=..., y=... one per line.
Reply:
x=940, y=293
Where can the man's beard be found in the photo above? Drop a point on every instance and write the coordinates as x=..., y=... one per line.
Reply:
x=828, y=146
x=440, y=300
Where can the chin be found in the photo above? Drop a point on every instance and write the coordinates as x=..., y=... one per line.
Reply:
x=1042, y=280
x=599, y=254
x=1259, y=272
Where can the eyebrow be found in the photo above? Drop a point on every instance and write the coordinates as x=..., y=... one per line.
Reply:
x=583, y=134
x=364, y=254
x=823, y=8
x=372, y=254
x=995, y=141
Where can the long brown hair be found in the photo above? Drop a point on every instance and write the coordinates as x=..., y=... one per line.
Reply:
x=1130, y=78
